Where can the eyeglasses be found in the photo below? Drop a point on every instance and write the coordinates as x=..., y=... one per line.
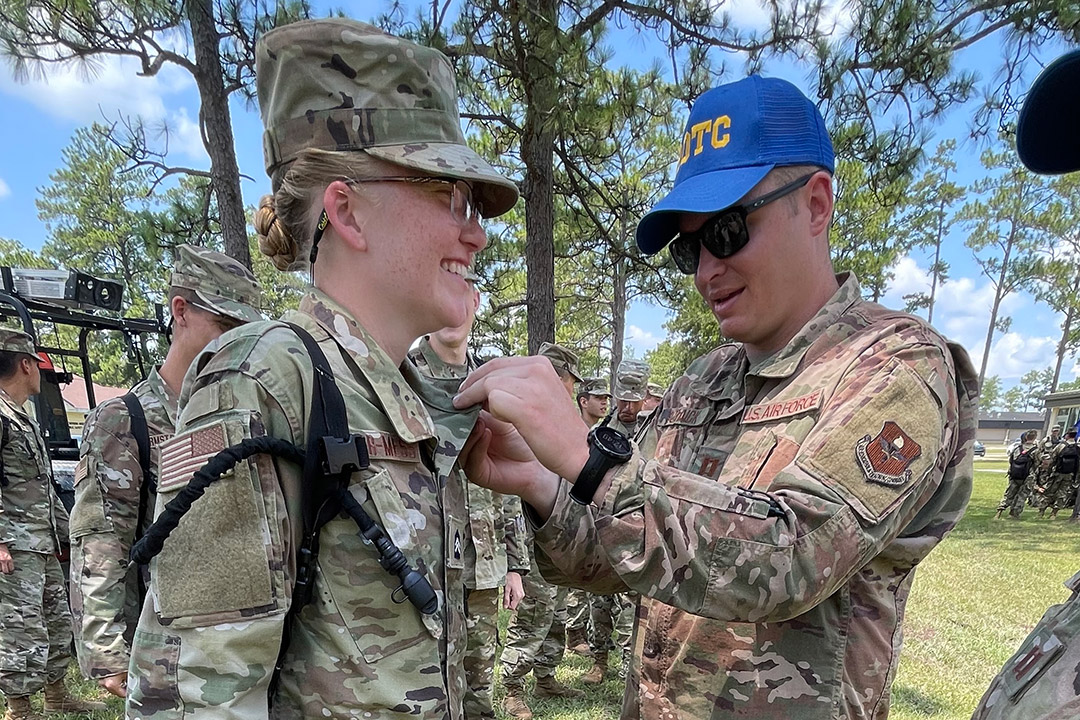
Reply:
x=726, y=233
x=465, y=208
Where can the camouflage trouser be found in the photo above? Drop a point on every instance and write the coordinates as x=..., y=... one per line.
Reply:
x=577, y=609
x=1017, y=494
x=483, y=635
x=612, y=613
x=35, y=625
x=1059, y=490
x=1042, y=488
x=536, y=635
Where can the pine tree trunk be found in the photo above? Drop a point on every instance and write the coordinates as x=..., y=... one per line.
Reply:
x=618, y=311
x=216, y=124
x=1063, y=343
x=538, y=152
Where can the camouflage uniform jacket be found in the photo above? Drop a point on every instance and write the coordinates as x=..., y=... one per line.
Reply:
x=777, y=527
x=1056, y=453
x=32, y=518
x=496, y=525
x=211, y=627
x=1042, y=680
x=1032, y=449
x=105, y=598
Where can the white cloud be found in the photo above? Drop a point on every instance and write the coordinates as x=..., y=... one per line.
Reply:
x=83, y=93
x=641, y=340
x=755, y=15
x=4, y=189
x=1014, y=354
x=962, y=313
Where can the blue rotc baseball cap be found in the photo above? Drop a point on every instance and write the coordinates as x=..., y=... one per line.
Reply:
x=736, y=134
x=1046, y=136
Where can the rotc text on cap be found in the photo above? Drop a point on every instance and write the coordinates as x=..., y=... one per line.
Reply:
x=736, y=135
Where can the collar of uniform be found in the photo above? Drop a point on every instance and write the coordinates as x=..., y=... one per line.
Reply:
x=399, y=400
x=169, y=400
x=16, y=409
x=783, y=363
x=438, y=367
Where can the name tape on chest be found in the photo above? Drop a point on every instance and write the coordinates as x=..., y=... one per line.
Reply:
x=766, y=412
x=159, y=440
x=383, y=446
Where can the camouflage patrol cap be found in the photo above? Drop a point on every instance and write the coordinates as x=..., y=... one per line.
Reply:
x=655, y=390
x=17, y=341
x=221, y=284
x=631, y=380
x=563, y=359
x=595, y=386
x=338, y=84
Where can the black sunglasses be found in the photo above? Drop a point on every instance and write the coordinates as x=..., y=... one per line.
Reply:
x=724, y=234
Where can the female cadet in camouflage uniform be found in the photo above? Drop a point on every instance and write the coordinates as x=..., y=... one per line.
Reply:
x=368, y=164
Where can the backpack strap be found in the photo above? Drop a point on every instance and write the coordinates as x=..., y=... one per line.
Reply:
x=4, y=435
x=141, y=432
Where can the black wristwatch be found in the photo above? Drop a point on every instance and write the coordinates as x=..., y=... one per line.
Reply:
x=607, y=448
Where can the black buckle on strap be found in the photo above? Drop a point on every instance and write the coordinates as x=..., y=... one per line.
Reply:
x=338, y=456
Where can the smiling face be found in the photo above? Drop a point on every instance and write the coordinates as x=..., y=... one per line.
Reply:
x=419, y=254
x=764, y=293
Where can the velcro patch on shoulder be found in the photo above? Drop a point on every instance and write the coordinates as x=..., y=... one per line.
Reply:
x=184, y=454
x=384, y=446
x=874, y=454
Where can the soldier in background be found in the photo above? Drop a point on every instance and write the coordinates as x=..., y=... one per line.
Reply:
x=631, y=388
x=1023, y=461
x=35, y=625
x=536, y=634
x=1042, y=472
x=593, y=398
x=592, y=401
x=1042, y=680
x=653, y=398
x=1061, y=485
x=209, y=294
x=495, y=547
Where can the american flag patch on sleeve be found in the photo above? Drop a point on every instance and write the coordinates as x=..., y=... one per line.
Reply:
x=81, y=471
x=184, y=454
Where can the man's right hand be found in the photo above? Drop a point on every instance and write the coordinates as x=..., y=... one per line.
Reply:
x=115, y=684
x=7, y=563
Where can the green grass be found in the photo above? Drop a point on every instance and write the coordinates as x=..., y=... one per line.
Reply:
x=974, y=599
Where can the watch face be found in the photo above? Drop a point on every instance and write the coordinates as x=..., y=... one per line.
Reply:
x=613, y=443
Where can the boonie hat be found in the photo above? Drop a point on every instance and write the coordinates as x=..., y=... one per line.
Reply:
x=17, y=341
x=736, y=134
x=562, y=358
x=221, y=284
x=595, y=386
x=631, y=380
x=339, y=84
x=1046, y=137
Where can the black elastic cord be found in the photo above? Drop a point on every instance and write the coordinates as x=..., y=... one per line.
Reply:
x=151, y=543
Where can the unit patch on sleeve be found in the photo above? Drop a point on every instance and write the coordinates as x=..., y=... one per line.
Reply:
x=887, y=458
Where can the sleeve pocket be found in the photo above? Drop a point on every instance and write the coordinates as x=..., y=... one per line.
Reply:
x=215, y=565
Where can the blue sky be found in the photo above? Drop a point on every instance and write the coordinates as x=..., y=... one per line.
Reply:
x=39, y=118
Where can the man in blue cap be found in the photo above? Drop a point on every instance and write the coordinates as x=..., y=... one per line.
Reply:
x=1042, y=680
x=782, y=494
